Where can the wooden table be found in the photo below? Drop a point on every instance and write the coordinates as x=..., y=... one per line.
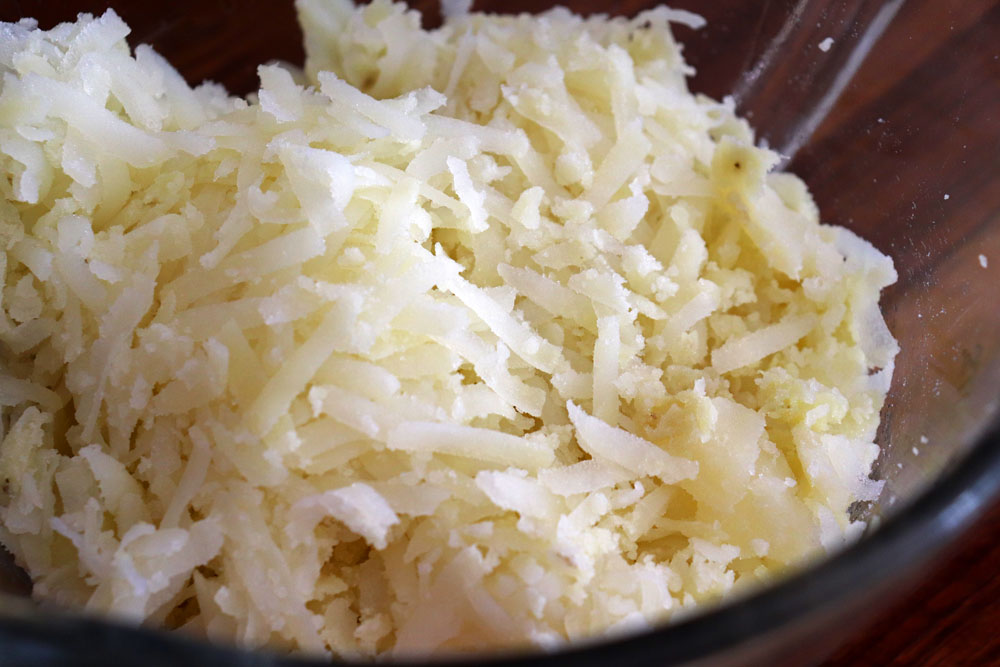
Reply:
x=952, y=618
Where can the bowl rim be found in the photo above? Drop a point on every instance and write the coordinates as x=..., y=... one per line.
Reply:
x=912, y=536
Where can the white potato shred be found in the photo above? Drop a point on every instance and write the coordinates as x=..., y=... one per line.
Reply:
x=488, y=336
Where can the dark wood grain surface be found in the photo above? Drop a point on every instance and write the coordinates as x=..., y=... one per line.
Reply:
x=950, y=618
x=921, y=120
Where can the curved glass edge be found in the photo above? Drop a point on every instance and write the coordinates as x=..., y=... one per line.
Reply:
x=31, y=634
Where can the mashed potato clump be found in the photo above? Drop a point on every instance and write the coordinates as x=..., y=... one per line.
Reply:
x=486, y=336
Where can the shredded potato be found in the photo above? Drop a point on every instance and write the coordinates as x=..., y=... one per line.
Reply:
x=488, y=336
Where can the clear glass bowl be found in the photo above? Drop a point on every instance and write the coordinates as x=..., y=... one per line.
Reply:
x=891, y=114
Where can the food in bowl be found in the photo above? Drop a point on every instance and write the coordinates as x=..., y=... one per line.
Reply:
x=487, y=336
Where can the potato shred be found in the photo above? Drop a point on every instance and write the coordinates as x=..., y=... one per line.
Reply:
x=488, y=336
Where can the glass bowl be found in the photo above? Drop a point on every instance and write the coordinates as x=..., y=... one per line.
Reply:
x=890, y=111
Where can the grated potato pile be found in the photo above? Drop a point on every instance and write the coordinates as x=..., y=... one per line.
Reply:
x=487, y=336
